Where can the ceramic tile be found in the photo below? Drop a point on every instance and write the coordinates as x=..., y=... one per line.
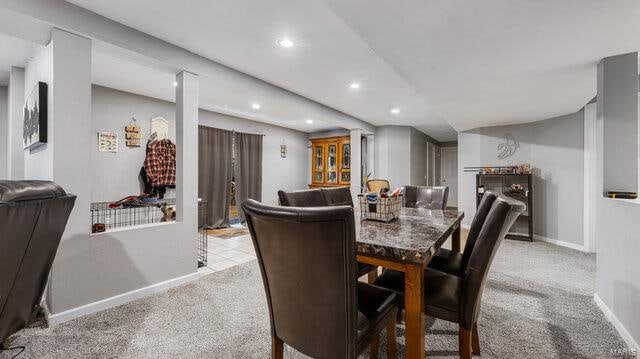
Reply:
x=227, y=263
x=230, y=253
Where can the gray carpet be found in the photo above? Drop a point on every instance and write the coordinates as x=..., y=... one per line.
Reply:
x=537, y=304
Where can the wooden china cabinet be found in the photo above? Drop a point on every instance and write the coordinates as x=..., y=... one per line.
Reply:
x=330, y=162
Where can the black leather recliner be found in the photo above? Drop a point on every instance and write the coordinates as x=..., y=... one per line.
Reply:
x=33, y=216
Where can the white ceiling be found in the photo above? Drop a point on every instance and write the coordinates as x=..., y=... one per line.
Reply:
x=491, y=62
x=326, y=58
x=15, y=52
x=472, y=63
x=220, y=95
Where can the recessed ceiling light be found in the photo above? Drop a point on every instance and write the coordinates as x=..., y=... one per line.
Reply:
x=309, y=121
x=285, y=42
x=355, y=85
x=256, y=106
x=395, y=111
x=175, y=83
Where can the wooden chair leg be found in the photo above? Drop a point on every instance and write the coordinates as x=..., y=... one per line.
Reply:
x=374, y=347
x=277, y=348
x=391, y=340
x=464, y=341
x=399, y=316
x=372, y=276
x=475, y=340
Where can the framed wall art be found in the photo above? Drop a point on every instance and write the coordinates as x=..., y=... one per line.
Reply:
x=34, y=118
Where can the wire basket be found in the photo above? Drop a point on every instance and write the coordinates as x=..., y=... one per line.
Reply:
x=382, y=209
x=106, y=218
x=202, y=233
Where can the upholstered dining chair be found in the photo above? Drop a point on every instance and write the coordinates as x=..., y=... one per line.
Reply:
x=375, y=185
x=454, y=262
x=307, y=258
x=339, y=196
x=458, y=299
x=426, y=197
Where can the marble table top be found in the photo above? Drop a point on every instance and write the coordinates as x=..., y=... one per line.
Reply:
x=413, y=237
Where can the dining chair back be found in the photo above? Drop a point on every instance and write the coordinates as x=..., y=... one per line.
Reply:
x=375, y=185
x=500, y=218
x=426, y=197
x=338, y=196
x=314, y=311
x=476, y=226
x=304, y=198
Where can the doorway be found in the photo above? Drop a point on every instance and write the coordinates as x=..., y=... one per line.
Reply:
x=449, y=171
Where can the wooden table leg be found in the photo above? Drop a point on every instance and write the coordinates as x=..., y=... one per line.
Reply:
x=455, y=240
x=414, y=311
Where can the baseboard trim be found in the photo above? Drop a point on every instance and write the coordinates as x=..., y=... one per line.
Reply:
x=611, y=317
x=577, y=247
x=59, y=318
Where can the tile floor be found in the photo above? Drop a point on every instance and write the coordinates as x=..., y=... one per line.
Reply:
x=226, y=253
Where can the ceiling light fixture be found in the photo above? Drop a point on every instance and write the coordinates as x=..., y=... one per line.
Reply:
x=395, y=111
x=285, y=42
x=256, y=106
x=309, y=121
x=175, y=84
x=355, y=85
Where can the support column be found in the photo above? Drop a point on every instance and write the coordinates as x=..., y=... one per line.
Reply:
x=356, y=162
x=15, y=155
x=66, y=158
x=371, y=168
x=70, y=115
x=618, y=109
x=4, y=134
x=187, y=149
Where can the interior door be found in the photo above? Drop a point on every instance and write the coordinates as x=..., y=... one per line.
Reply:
x=449, y=171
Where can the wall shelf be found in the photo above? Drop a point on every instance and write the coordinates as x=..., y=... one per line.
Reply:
x=522, y=229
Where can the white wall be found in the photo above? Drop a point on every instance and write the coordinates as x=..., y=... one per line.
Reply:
x=554, y=149
x=393, y=155
x=113, y=109
x=419, y=146
x=401, y=155
x=288, y=174
x=116, y=175
x=617, y=225
x=92, y=272
x=15, y=159
x=4, y=131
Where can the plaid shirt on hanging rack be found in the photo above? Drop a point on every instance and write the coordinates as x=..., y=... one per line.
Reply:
x=160, y=163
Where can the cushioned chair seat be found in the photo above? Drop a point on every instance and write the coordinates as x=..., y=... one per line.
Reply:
x=375, y=306
x=442, y=291
x=447, y=261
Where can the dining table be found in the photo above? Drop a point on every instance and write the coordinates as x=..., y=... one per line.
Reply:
x=407, y=244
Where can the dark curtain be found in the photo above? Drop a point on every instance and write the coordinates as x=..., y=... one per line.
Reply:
x=248, y=169
x=214, y=173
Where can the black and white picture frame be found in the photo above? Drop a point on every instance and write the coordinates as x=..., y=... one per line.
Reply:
x=34, y=125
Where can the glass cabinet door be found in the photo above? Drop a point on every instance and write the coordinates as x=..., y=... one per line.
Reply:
x=346, y=156
x=332, y=163
x=318, y=164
